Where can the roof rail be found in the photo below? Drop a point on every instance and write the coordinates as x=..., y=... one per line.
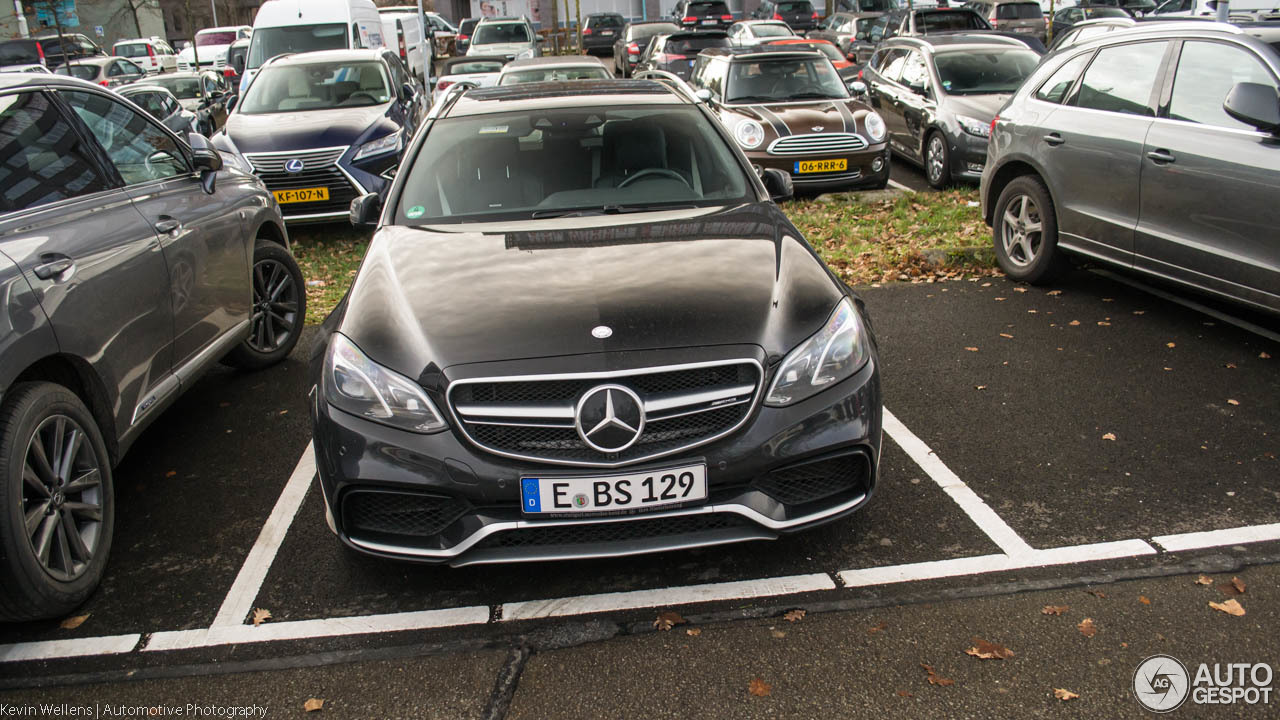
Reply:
x=451, y=95
x=675, y=82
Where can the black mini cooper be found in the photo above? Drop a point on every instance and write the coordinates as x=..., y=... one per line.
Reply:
x=583, y=328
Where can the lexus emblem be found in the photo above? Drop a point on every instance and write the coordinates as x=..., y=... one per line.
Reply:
x=609, y=418
x=601, y=331
x=294, y=166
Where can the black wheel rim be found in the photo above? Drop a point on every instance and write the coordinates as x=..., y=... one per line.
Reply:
x=275, y=306
x=62, y=497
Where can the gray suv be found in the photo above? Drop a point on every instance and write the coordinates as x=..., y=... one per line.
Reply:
x=1156, y=149
x=130, y=262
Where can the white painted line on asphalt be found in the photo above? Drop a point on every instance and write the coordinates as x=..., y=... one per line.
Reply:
x=239, y=600
x=900, y=186
x=1218, y=538
x=1230, y=319
x=325, y=627
x=663, y=597
x=978, y=511
x=75, y=647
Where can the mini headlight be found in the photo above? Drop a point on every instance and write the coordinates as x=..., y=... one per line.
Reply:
x=355, y=384
x=836, y=352
x=974, y=126
x=749, y=134
x=875, y=126
x=384, y=144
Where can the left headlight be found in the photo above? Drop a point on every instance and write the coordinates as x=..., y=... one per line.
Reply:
x=974, y=126
x=875, y=126
x=749, y=134
x=384, y=144
x=836, y=352
x=355, y=384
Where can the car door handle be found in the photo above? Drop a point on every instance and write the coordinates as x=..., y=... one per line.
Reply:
x=1054, y=139
x=1161, y=157
x=52, y=265
x=167, y=226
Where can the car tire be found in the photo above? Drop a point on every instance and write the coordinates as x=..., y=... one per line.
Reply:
x=35, y=585
x=937, y=160
x=279, y=309
x=1025, y=232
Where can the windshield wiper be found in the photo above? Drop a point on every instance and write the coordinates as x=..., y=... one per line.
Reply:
x=752, y=98
x=604, y=210
x=820, y=96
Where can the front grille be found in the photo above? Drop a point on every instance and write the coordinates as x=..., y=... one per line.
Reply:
x=825, y=177
x=817, y=144
x=814, y=481
x=588, y=533
x=382, y=513
x=534, y=419
x=319, y=169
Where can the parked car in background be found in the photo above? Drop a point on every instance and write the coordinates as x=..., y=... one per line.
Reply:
x=509, y=37
x=599, y=31
x=1067, y=18
x=1089, y=29
x=109, y=72
x=128, y=259
x=1253, y=10
x=938, y=95
x=476, y=70
x=753, y=32
x=553, y=68
x=677, y=52
x=790, y=111
x=843, y=30
x=205, y=93
x=211, y=46
x=292, y=26
x=634, y=40
x=710, y=14
x=914, y=23
x=24, y=68
x=152, y=54
x=48, y=50
x=237, y=60
x=1016, y=16
x=163, y=106
x=465, y=30
x=1136, y=8
x=737, y=335
x=323, y=128
x=1177, y=125
x=799, y=14
x=403, y=34
x=868, y=6
x=847, y=70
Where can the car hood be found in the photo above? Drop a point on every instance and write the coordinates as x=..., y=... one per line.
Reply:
x=208, y=53
x=782, y=119
x=978, y=107
x=498, y=48
x=434, y=296
x=308, y=130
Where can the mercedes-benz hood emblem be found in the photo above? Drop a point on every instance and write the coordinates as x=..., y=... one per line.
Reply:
x=609, y=418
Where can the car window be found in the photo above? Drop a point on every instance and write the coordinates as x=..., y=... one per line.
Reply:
x=782, y=79
x=980, y=72
x=877, y=29
x=84, y=72
x=1121, y=77
x=42, y=160
x=915, y=73
x=560, y=74
x=130, y=50
x=141, y=151
x=892, y=62
x=496, y=33
x=1206, y=73
x=117, y=69
x=150, y=102
x=270, y=42
x=1055, y=89
x=946, y=21
x=1019, y=11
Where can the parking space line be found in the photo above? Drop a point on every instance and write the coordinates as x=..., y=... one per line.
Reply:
x=900, y=186
x=75, y=647
x=239, y=600
x=978, y=511
x=662, y=597
x=1230, y=319
x=1217, y=538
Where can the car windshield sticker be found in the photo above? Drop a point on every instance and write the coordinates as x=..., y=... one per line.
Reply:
x=493, y=130
x=946, y=85
x=415, y=212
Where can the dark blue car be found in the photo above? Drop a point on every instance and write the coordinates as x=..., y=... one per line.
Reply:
x=323, y=128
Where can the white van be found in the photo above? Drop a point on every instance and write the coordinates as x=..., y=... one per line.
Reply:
x=212, y=44
x=403, y=32
x=1209, y=8
x=297, y=26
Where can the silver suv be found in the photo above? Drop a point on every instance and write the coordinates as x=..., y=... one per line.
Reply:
x=1156, y=149
x=510, y=37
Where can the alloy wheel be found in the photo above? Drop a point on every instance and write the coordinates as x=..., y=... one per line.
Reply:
x=275, y=306
x=1022, y=230
x=62, y=497
x=935, y=160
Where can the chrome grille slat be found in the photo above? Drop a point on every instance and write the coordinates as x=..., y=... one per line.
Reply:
x=274, y=162
x=817, y=143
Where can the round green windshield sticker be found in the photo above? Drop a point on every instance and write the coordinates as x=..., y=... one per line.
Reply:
x=415, y=212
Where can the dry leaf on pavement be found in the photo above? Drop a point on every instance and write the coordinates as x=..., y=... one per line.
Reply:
x=1109, y=436
x=904, y=693
x=877, y=628
x=778, y=634
x=1054, y=292
x=1204, y=580
x=1098, y=594
x=1019, y=289
x=1074, y=323
x=759, y=687
x=984, y=650
x=972, y=349
x=794, y=615
x=935, y=678
x=1238, y=584
x=171, y=473
x=74, y=622
x=1006, y=335
x=313, y=704
x=1064, y=694
x=260, y=615
x=1144, y=599
x=1230, y=607
x=1171, y=345
x=1264, y=356
x=1054, y=609
x=668, y=620
x=693, y=632
x=1231, y=401
x=1087, y=628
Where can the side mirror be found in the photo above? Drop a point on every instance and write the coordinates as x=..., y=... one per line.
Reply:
x=407, y=92
x=365, y=210
x=231, y=102
x=206, y=160
x=1254, y=104
x=857, y=87
x=778, y=183
x=703, y=94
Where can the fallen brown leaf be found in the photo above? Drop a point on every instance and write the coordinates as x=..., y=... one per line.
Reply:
x=1006, y=335
x=972, y=349
x=1104, y=323
x=1109, y=436
x=1098, y=594
x=693, y=632
x=1204, y=580
x=1087, y=628
x=260, y=615
x=1019, y=289
x=1230, y=366
x=1238, y=584
x=759, y=687
x=1171, y=345
x=1139, y=312
x=313, y=704
x=1054, y=609
x=778, y=633
x=1264, y=356
x=1232, y=402
x=1064, y=694
x=1230, y=607
x=668, y=619
x=904, y=693
x=935, y=678
x=979, y=387
x=877, y=628
x=74, y=622
x=794, y=615
x=984, y=650
x=1054, y=292
x=171, y=473
x=1074, y=322
x=1000, y=299
x=1144, y=599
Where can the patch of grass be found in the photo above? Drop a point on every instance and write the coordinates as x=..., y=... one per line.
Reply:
x=329, y=256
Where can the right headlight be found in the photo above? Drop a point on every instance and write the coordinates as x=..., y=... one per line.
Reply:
x=875, y=126
x=836, y=352
x=355, y=384
x=749, y=134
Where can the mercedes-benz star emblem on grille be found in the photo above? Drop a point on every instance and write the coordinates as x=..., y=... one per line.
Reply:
x=294, y=166
x=609, y=418
x=601, y=331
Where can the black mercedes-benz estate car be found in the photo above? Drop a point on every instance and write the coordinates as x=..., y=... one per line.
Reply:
x=583, y=328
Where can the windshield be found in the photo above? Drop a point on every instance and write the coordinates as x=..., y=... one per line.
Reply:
x=558, y=74
x=270, y=42
x=1019, y=11
x=771, y=30
x=784, y=79
x=646, y=31
x=554, y=162
x=944, y=21
x=84, y=72
x=220, y=37
x=131, y=50
x=473, y=66
x=692, y=45
x=796, y=7
x=1103, y=12
x=21, y=51
x=604, y=21
x=316, y=86
x=702, y=9
x=832, y=53
x=183, y=88
x=495, y=33
x=979, y=72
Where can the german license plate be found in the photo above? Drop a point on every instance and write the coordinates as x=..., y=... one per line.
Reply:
x=303, y=195
x=709, y=21
x=607, y=33
x=613, y=493
x=821, y=166
x=1024, y=30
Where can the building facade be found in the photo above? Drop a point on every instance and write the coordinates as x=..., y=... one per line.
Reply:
x=104, y=21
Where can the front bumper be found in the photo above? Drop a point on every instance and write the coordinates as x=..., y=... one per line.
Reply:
x=785, y=470
x=861, y=168
x=968, y=156
x=329, y=168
